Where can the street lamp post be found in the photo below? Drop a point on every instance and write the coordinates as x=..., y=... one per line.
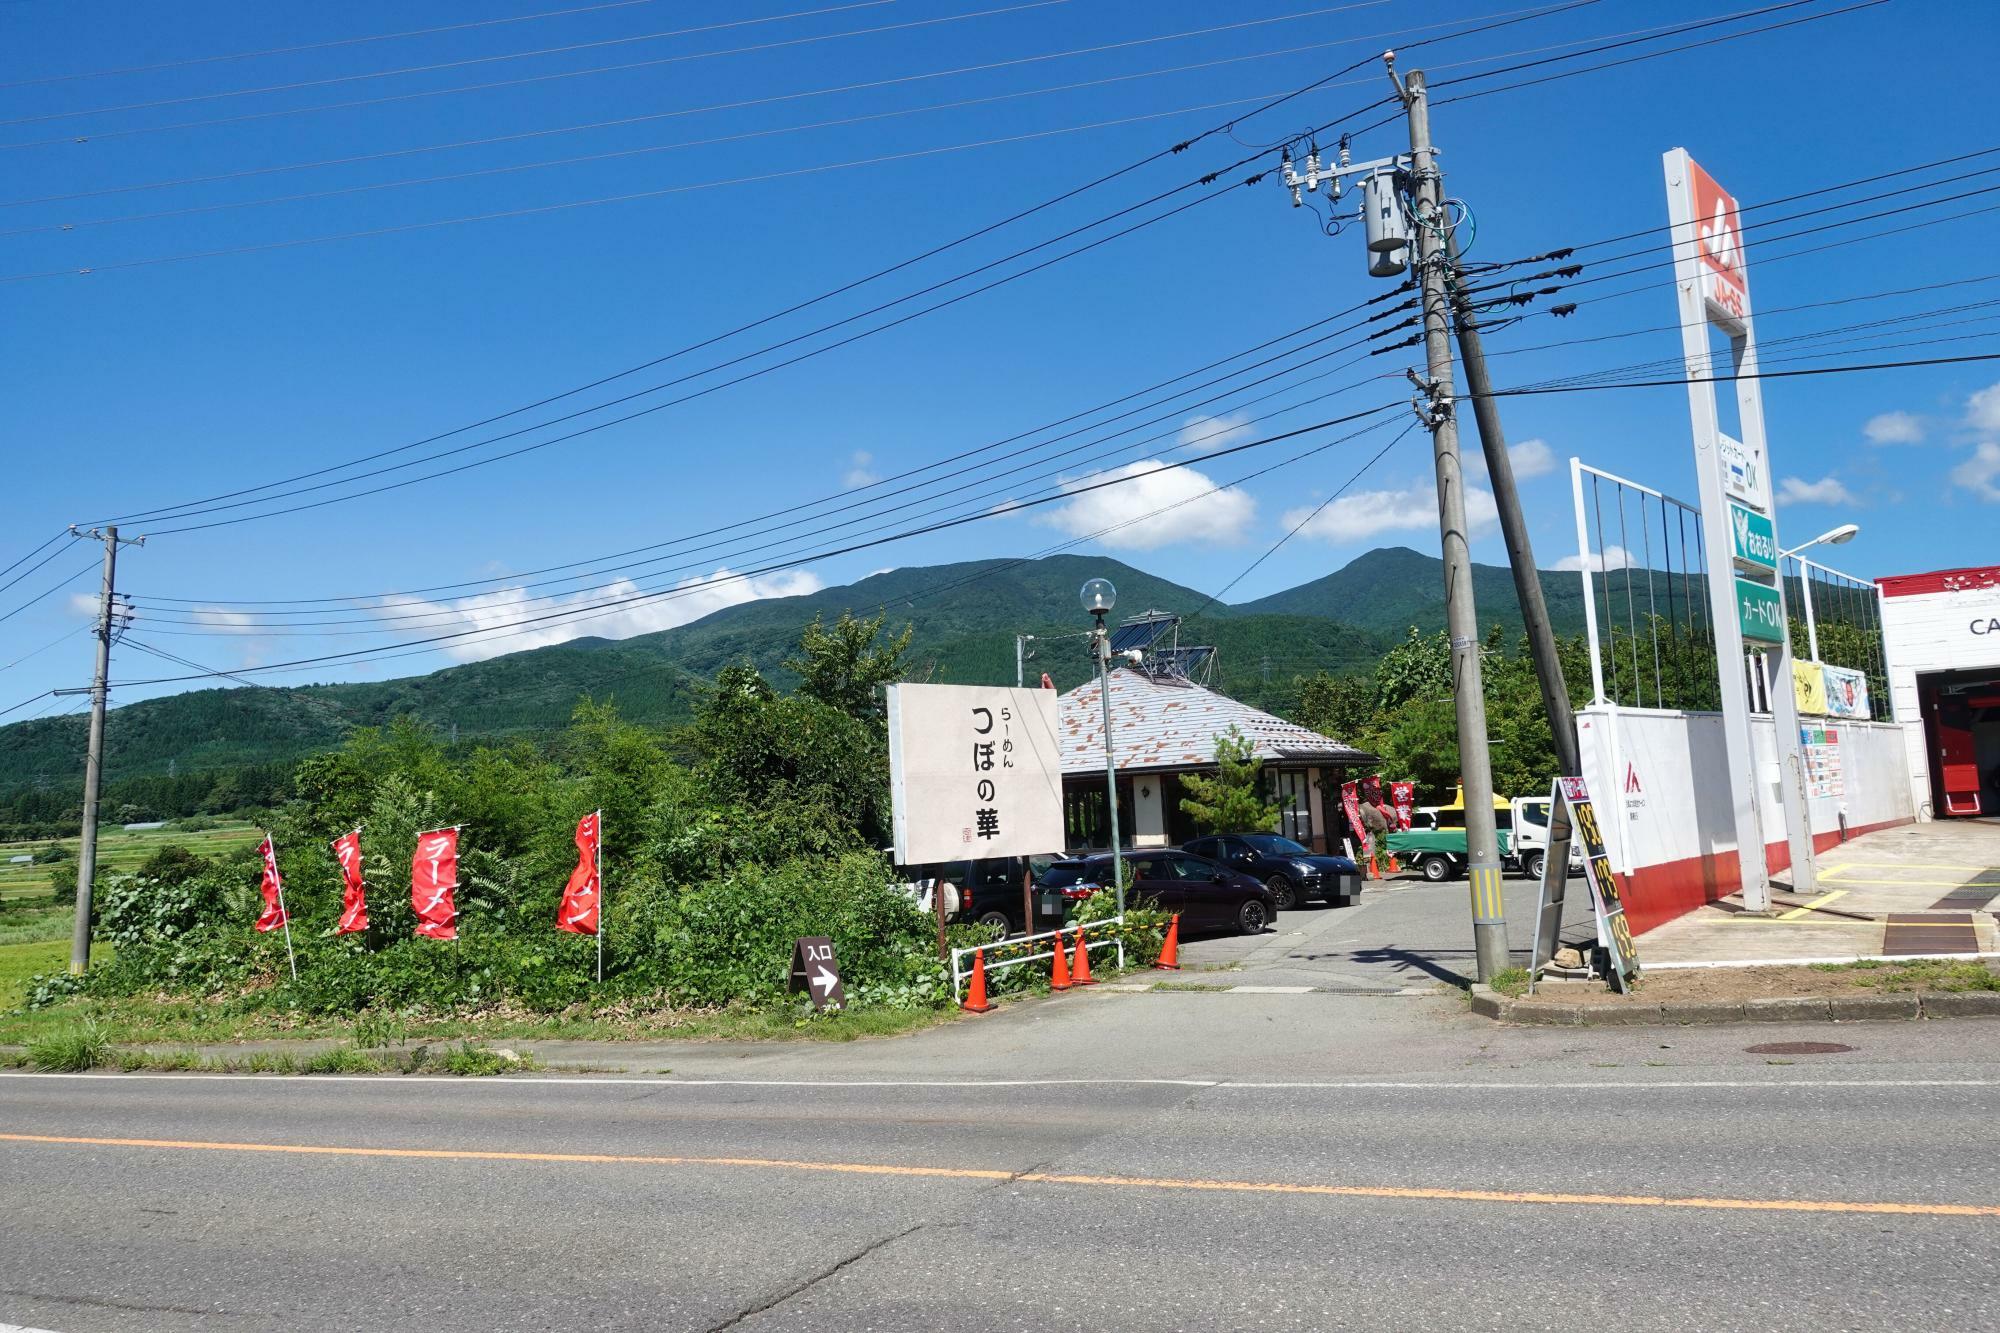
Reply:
x=1098, y=597
x=1839, y=536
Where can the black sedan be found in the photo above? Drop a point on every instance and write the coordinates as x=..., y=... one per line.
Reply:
x=1291, y=872
x=1207, y=896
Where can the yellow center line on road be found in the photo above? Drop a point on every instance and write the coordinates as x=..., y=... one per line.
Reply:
x=1053, y=1178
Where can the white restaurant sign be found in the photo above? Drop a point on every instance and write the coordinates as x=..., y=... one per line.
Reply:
x=975, y=771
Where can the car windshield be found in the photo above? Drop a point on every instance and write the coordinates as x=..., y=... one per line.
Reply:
x=1272, y=845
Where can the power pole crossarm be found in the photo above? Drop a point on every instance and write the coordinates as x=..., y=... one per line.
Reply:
x=93, y=764
x=1489, y=919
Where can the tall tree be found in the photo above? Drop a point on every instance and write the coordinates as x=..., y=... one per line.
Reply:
x=1232, y=801
x=843, y=667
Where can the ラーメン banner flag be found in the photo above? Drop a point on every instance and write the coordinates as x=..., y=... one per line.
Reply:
x=273, y=889
x=433, y=877
x=353, y=895
x=584, y=892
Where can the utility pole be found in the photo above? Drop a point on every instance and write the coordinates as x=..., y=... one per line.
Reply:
x=93, y=764
x=1021, y=642
x=1534, y=607
x=1489, y=920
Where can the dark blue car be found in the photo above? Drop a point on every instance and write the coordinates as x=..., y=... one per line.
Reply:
x=1292, y=873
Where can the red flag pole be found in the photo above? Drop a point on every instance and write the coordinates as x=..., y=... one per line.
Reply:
x=597, y=863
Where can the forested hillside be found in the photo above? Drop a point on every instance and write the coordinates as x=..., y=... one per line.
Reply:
x=218, y=750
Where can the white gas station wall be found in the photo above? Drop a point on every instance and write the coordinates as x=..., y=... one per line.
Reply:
x=1655, y=775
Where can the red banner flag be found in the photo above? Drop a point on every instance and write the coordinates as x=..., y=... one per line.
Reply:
x=1406, y=798
x=273, y=888
x=1350, y=802
x=581, y=896
x=433, y=876
x=353, y=896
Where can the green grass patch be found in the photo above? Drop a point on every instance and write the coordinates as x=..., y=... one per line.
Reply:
x=1918, y=974
x=69, y=1050
x=18, y=962
x=155, y=1022
x=1511, y=981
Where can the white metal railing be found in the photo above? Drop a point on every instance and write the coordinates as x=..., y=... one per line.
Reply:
x=1640, y=554
x=959, y=973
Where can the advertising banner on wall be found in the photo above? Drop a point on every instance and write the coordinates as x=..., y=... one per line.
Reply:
x=1846, y=692
x=975, y=771
x=1809, y=687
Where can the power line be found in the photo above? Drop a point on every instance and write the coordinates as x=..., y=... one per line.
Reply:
x=819, y=520
x=644, y=150
x=65, y=635
x=51, y=591
x=1511, y=16
x=1063, y=197
x=249, y=117
x=981, y=516
x=38, y=563
x=472, y=60
x=320, y=46
x=829, y=347
x=1296, y=528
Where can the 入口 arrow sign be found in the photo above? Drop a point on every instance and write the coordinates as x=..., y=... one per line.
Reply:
x=817, y=973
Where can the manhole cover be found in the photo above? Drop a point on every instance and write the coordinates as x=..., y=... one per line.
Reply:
x=1798, y=1048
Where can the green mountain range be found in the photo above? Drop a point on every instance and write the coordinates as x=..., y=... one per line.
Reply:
x=965, y=618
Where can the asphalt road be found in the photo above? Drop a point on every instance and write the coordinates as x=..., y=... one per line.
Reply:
x=1403, y=932
x=1160, y=1161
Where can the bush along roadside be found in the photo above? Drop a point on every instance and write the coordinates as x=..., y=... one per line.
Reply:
x=724, y=843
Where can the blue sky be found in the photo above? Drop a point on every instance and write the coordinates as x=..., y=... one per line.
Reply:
x=146, y=383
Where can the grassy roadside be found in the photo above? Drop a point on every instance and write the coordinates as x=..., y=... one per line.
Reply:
x=179, y=1023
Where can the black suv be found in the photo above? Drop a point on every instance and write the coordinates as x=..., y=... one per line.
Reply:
x=989, y=891
x=1291, y=872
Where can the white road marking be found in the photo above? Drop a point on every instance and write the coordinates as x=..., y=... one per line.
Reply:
x=1270, y=990
x=1223, y=1084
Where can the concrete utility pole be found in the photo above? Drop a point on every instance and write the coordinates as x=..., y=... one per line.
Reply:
x=1534, y=606
x=1489, y=921
x=93, y=764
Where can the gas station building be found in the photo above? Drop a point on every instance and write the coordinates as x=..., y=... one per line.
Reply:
x=1941, y=633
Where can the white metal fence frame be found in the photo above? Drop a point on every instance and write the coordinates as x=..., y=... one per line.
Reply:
x=959, y=972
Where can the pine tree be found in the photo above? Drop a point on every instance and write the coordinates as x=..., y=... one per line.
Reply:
x=1232, y=800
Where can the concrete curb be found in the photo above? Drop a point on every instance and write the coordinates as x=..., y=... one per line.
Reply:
x=1525, y=1012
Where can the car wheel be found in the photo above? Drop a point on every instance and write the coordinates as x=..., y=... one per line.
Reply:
x=993, y=916
x=1283, y=892
x=1532, y=866
x=1252, y=917
x=1437, y=869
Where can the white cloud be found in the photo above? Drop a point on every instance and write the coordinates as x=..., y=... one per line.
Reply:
x=1982, y=410
x=1204, y=434
x=501, y=609
x=1358, y=517
x=1612, y=557
x=1531, y=458
x=858, y=473
x=1894, y=428
x=1201, y=512
x=1980, y=473
x=1826, y=491
x=83, y=604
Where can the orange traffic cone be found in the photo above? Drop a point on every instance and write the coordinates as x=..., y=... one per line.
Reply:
x=1170, y=951
x=1080, y=974
x=1059, y=980
x=975, y=994
x=1374, y=869
x=1394, y=868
